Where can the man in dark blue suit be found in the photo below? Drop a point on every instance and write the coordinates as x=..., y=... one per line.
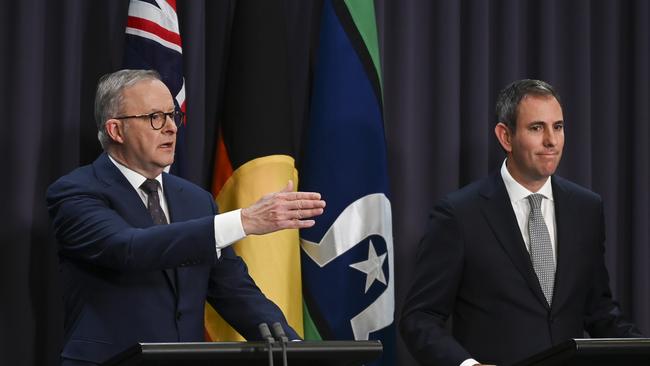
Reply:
x=142, y=250
x=516, y=258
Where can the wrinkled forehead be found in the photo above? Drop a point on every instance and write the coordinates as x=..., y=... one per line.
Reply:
x=146, y=96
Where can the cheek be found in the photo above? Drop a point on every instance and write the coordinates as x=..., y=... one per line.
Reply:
x=525, y=147
x=532, y=145
x=145, y=145
x=149, y=142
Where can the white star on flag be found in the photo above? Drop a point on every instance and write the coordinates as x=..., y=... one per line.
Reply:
x=372, y=267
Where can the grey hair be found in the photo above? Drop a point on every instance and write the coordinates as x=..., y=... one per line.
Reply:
x=109, y=97
x=507, y=106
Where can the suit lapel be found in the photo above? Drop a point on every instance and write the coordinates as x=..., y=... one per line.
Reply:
x=499, y=214
x=174, y=198
x=139, y=216
x=565, y=236
x=175, y=201
x=111, y=176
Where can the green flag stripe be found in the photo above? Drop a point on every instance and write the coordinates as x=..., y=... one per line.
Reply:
x=363, y=15
x=311, y=332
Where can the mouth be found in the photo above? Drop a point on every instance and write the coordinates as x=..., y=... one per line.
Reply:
x=167, y=145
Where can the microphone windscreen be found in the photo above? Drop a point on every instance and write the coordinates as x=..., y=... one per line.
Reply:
x=265, y=332
x=279, y=332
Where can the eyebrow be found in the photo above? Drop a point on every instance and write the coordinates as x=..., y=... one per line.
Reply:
x=161, y=110
x=542, y=122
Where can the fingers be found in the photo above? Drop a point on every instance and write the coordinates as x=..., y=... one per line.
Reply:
x=294, y=196
x=307, y=213
x=285, y=214
x=305, y=204
x=296, y=224
x=300, y=209
x=282, y=210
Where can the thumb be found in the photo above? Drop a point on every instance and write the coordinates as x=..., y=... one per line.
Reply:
x=289, y=187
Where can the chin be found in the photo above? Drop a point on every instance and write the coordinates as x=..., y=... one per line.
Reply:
x=545, y=173
x=165, y=162
x=168, y=159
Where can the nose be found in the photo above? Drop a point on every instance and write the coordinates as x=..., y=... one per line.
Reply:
x=550, y=139
x=170, y=125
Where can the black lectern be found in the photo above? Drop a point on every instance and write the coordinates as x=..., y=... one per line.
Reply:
x=593, y=352
x=306, y=353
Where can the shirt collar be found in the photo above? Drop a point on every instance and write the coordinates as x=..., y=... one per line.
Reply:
x=517, y=192
x=135, y=179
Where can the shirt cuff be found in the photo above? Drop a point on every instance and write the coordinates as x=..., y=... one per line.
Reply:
x=227, y=229
x=469, y=362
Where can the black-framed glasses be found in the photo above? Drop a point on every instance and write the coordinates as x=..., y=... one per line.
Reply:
x=158, y=119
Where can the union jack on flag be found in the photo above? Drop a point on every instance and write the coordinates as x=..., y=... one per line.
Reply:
x=153, y=41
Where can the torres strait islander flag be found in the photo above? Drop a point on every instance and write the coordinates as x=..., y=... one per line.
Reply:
x=347, y=258
x=153, y=41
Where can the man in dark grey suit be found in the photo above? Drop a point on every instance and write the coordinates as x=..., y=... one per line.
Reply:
x=516, y=258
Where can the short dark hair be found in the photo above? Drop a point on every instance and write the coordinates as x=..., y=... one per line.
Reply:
x=507, y=108
x=109, y=99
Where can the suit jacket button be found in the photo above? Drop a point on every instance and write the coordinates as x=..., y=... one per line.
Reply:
x=179, y=315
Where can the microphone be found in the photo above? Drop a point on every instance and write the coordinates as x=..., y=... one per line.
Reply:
x=279, y=334
x=266, y=334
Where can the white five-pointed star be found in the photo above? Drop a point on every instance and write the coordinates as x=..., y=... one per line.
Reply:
x=372, y=267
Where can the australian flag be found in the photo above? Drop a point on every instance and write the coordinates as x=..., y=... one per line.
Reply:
x=347, y=258
x=153, y=41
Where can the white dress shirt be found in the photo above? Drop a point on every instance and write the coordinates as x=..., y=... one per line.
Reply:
x=227, y=226
x=518, y=198
x=521, y=206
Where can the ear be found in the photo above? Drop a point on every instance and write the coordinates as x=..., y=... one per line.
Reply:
x=504, y=136
x=115, y=130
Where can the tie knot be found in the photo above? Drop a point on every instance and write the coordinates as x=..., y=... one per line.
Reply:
x=150, y=186
x=534, y=199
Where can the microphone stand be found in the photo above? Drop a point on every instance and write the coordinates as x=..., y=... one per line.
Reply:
x=266, y=334
x=280, y=335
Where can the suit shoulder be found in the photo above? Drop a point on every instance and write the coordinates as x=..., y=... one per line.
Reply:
x=575, y=190
x=82, y=173
x=459, y=202
x=79, y=177
x=466, y=195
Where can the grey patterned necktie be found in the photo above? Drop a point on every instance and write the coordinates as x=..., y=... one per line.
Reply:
x=541, y=250
x=150, y=187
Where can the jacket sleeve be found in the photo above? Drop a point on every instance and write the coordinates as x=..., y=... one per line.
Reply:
x=89, y=230
x=234, y=294
x=603, y=316
x=431, y=298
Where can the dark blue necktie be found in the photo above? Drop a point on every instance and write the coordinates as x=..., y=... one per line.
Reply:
x=150, y=187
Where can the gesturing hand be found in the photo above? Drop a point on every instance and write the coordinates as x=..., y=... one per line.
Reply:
x=282, y=210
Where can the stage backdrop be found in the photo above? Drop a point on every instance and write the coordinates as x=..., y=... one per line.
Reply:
x=443, y=63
